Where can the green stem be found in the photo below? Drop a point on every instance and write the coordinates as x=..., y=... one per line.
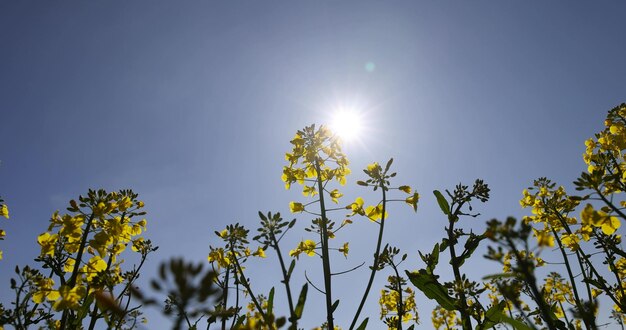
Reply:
x=613, y=269
x=225, y=300
x=232, y=323
x=531, y=282
x=78, y=260
x=239, y=274
x=465, y=317
x=375, y=264
x=571, y=277
x=293, y=318
x=325, y=254
x=400, y=306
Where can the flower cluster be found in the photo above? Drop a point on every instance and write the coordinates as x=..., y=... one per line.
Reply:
x=83, y=248
x=236, y=242
x=558, y=291
x=444, y=319
x=315, y=154
x=4, y=212
x=604, y=153
x=550, y=207
x=396, y=302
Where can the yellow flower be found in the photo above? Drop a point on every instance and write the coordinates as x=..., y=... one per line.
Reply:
x=94, y=266
x=69, y=265
x=125, y=203
x=296, y=207
x=571, y=241
x=70, y=297
x=138, y=244
x=47, y=243
x=308, y=246
x=345, y=249
x=45, y=290
x=376, y=212
x=406, y=189
x=609, y=224
x=309, y=191
x=143, y=223
x=259, y=253
x=218, y=255
x=412, y=200
x=4, y=211
x=334, y=195
x=373, y=167
x=101, y=209
x=357, y=207
x=544, y=237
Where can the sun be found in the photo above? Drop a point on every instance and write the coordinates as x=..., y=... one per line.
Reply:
x=347, y=124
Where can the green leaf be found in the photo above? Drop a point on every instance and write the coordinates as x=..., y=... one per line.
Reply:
x=291, y=266
x=301, y=300
x=499, y=276
x=334, y=306
x=428, y=284
x=270, y=302
x=388, y=164
x=516, y=324
x=84, y=308
x=493, y=316
x=444, y=245
x=470, y=246
x=363, y=324
x=443, y=203
x=240, y=321
x=434, y=259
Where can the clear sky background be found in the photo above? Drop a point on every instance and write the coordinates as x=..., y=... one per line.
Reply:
x=192, y=104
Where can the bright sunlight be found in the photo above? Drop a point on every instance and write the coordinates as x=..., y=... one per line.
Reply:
x=347, y=124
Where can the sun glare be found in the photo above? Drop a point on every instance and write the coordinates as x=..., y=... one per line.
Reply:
x=347, y=124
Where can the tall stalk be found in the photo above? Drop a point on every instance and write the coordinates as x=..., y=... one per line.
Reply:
x=325, y=254
x=374, y=267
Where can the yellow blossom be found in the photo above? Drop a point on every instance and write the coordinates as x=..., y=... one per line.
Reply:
x=334, y=195
x=357, y=207
x=571, y=241
x=412, y=200
x=4, y=211
x=218, y=255
x=259, y=253
x=125, y=203
x=345, y=249
x=296, y=207
x=94, y=266
x=70, y=297
x=47, y=243
x=376, y=212
x=607, y=223
x=308, y=247
x=45, y=291
x=544, y=237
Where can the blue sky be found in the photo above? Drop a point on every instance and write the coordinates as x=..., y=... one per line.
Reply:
x=192, y=104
